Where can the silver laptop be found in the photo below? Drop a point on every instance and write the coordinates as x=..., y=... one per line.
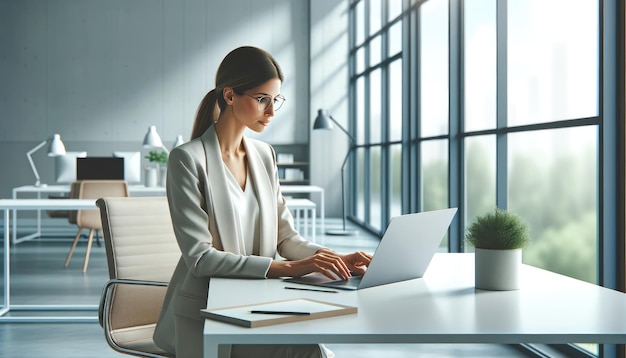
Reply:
x=404, y=252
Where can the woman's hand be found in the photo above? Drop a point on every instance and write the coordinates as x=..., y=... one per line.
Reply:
x=327, y=262
x=357, y=262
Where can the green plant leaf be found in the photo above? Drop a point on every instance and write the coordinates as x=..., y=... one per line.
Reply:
x=500, y=230
x=156, y=156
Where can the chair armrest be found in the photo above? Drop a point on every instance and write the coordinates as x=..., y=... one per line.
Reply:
x=106, y=293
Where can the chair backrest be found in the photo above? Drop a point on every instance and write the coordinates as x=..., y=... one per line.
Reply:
x=74, y=189
x=140, y=245
x=94, y=189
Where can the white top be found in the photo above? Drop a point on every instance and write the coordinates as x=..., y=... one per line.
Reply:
x=246, y=202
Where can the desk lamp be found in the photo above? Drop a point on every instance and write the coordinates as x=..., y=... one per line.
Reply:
x=153, y=140
x=55, y=149
x=179, y=141
x=322, y=121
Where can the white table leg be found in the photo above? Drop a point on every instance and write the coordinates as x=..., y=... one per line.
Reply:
x=6, y=223
x=14, y=239
x=313, y=228
x=6, y=308
x=7, y=264
x=211, y=348
x=323, y=216
x=305, y=224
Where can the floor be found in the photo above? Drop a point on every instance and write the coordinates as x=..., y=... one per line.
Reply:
x=38, y=276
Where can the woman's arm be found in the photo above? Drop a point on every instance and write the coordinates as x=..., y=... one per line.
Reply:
x=293, y=246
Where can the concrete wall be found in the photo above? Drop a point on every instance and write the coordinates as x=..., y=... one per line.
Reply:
x=99, y=72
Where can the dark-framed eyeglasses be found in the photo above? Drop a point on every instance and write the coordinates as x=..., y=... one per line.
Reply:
x=264, y=101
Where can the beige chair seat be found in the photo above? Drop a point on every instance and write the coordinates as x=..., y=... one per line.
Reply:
x=138, y=338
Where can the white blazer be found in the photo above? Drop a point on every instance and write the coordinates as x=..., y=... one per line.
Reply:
x=205, y=225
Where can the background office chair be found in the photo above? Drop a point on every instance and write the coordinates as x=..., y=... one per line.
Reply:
x=142, y=254
x=90, y=219
x=71, y=215
x=74, y=190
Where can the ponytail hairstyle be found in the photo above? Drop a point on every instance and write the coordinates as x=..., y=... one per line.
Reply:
x=242, y=69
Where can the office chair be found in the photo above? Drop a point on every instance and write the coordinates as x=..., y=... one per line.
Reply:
x=142, y=254
x=90, y=219
x=74, y=190
x=71, y=215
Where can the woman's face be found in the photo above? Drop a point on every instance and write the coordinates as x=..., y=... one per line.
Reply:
x=248, y=108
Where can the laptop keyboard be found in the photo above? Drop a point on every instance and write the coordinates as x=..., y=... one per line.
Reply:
x=352, y=281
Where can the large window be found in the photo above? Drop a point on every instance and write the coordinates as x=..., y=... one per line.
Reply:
x=377, y=120
x=491, y=103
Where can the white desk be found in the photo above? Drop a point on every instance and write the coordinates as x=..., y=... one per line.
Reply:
x=133, y=190
x=307, y=189
x=9, y=205
x=303, y=210
x=443, y=307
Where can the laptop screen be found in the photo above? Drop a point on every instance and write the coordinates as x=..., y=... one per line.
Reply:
x=94, y=168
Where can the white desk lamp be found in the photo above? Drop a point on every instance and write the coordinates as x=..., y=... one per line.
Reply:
x=153, y=140
x=179, y=141
x=322, y=121
x=55, y=149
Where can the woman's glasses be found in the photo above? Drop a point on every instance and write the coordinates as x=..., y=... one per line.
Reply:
x=264, y=102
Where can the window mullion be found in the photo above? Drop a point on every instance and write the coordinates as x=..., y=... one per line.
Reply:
x=455, y=149
x=501, y=104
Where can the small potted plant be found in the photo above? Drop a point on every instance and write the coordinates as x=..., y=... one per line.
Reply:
x=498, y=238
x=157, y=157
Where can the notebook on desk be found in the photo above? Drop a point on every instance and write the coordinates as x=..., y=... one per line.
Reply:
x=404, y=252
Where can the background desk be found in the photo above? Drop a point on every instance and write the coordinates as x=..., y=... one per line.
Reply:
x=307, y=189
x=37, y=191
x=134, y=190
x=9, y=205
x=443, y=307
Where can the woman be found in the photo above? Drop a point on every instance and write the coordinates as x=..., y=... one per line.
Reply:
x=229, y=216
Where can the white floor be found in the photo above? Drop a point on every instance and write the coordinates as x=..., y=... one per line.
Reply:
x=38, y=276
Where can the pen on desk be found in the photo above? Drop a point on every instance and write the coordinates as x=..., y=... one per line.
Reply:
x=290, y=313
x=308, y=289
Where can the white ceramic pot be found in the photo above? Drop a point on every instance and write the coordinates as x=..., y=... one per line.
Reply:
x=162, y=175
x=497, y=270
x=151, y=177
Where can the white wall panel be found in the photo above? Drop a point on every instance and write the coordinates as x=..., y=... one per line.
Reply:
x=329, y=91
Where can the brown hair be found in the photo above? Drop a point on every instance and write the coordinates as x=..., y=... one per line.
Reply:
x=243, y=68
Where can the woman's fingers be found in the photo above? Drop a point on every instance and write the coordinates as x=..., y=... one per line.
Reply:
x=358, y=261
x=329, y=264
x=334, y=265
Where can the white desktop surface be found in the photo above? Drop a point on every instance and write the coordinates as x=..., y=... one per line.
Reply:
x=289, y=188
x=443, y=307
x=8, y=205
x=65, y=189
x=47, y=204
x=133, y=190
